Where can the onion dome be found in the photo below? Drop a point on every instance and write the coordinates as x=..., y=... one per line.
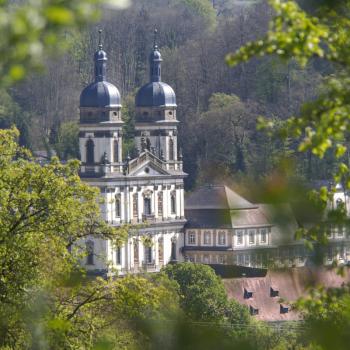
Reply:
x=155, y=93
x=100, y=93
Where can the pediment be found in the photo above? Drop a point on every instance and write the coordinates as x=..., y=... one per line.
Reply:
x=148, y=169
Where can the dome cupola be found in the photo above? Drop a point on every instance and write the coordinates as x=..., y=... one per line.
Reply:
x=100, y=93
x=155, y=93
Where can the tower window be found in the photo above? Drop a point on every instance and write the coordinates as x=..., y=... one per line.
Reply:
x=90, y=253
x=90, y=156
x=117, y=206
x=147, y=206
x=116, y=151
x=171, y=149
x=173, y=249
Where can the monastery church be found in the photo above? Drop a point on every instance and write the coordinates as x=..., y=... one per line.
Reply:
x=215, y=226
x=147, y=190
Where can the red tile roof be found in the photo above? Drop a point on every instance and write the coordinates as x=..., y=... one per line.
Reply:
x=291, y=284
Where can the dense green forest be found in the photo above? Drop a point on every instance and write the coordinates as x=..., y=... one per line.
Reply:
x=217, y=105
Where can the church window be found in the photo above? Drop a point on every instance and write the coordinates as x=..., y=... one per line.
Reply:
x=207, y=237
x=171, y=149
x=240, y=237
x=161, y=250
x=251, y=236
x=115, y=151
x=136, y=251
x=148, y=255
x=117, y=206
x=135, y=205
x=192, y=237
x=173, y=249
x=90, y=253
x=119, y=256
x=173, y=203
x=90, y=157
x=222, y=238
x=160, y=204
x=115, y=114
x=147, y=206
x=263, y=235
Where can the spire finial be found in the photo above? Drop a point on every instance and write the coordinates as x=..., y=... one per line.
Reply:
x=100, y=39
x=155, y=46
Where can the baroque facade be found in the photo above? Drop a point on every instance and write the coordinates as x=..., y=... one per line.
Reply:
x=146, y=191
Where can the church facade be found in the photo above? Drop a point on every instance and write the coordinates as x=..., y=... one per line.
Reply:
x=147, y=191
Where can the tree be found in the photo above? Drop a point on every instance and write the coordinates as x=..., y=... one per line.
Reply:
x=45, y=210
x=204, y=296
x=34, y=29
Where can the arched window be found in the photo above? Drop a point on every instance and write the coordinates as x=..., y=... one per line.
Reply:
x=147, y=206
x=173, y=203
x=173, y=250
x=171, y=149
x=119, y=256
x=90, y=253
x=148, y=255
x=90, y=157
x=160, y=204
x=116, y=151
x=136, y=251
x=135, y=206
x=161, y=250
x=117, y=206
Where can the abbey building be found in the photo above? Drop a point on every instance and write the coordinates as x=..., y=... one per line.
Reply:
x=146, y=191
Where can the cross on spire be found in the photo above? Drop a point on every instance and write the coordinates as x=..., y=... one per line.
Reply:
x=100, y=39
x=155, y=46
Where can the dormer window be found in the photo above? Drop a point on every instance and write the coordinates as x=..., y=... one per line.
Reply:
x=274, y=292
x=284, y=309
x=247, y=294
x=253, y=310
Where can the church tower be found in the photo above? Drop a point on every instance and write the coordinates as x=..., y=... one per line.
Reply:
x=100, y=129
x=155, y=122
